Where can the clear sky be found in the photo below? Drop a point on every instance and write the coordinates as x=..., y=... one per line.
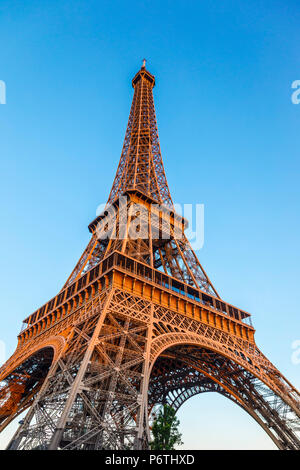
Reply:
x=229, y=136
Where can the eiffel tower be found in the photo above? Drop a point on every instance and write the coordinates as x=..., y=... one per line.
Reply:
x=137, y=324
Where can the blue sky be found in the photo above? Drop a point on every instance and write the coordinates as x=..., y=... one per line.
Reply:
x=229, y=136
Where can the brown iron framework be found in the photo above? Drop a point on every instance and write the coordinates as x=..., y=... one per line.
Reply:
x=137, y=324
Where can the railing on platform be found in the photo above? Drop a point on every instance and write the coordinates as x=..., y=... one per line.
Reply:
x=141, y=270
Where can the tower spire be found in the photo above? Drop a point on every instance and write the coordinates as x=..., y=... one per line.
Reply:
x=141, y=166
x=141, y=171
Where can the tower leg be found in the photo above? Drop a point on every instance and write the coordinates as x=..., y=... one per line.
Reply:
x=78, y=382
x=95, y=396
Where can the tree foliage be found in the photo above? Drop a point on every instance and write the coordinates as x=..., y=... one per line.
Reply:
x=165, y=430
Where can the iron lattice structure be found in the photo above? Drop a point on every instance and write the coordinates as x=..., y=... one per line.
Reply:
x=137, y=324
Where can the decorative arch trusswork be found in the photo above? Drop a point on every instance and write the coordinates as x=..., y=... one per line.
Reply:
x=183, y=370
x=56, y=342
x=19, y=388
x=201, y=384
x=242, y=352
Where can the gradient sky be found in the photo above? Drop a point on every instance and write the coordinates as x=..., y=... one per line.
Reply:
x=229, y=136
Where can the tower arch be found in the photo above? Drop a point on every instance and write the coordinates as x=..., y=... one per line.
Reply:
x=25, y=376
x=184, y=369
